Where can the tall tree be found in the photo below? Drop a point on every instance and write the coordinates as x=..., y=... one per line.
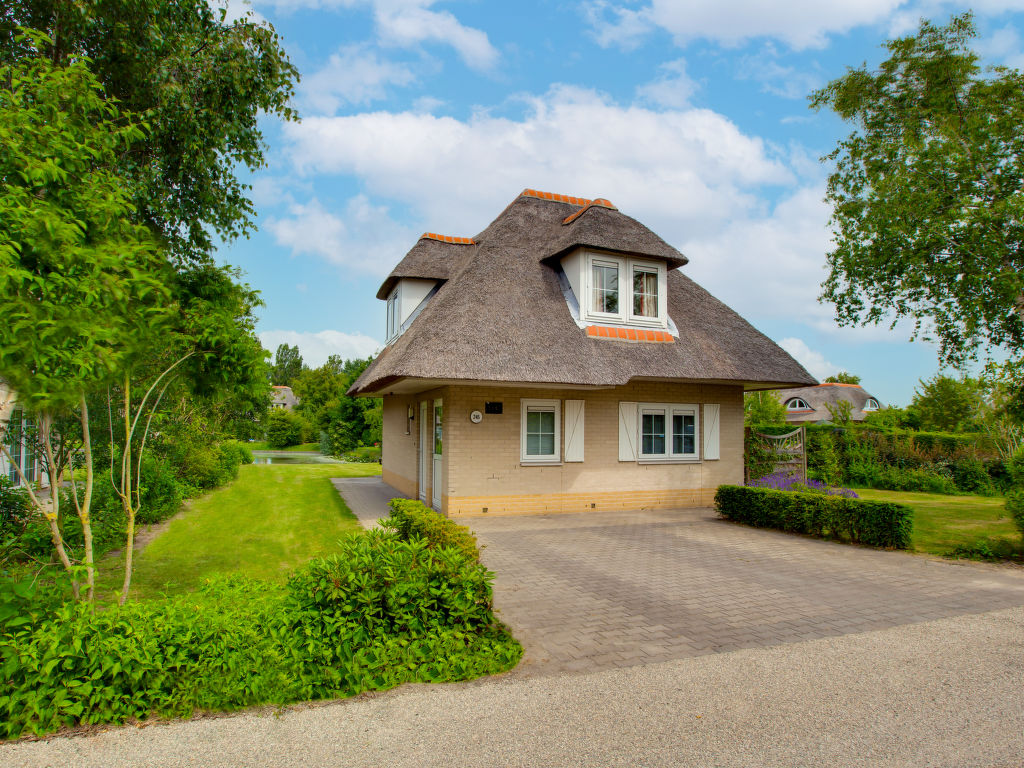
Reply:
x=287, y=365
x=82, y=287
x=927, y=206
x=945, y=404
x=201, y=82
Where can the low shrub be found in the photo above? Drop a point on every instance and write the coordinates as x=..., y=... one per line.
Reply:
x=383, y=611
x=878, y=524
x=367, y=454
x=412, y=519
x=786, y=481
x=284, y=429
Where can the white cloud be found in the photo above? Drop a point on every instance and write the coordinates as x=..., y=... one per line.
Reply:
x=673, y=87
x=407, y=23
x=799, y=23
x=316, y=347
x=691, y=168
x=353, y=75
x=361, y=236
x=1003, y=47
x=813, y=361
x=776, y=78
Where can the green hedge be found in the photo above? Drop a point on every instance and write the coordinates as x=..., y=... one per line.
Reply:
x=878, y=524
x=384, y=610
x=413, y=519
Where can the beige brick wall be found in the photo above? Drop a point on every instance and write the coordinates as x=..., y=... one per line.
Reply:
x=400, y=451
x=482, y=466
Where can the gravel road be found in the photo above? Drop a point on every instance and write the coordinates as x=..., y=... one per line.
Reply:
x=941, y=693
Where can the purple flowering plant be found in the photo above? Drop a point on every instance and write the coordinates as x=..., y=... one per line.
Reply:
x=788, y=481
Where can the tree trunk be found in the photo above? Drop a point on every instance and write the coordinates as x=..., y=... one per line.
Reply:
x=85, y=508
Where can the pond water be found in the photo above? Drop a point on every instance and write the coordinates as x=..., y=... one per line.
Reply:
x=291, y=457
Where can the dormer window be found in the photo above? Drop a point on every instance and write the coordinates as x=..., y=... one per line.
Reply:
x=871, y=404
x=797, y=404
x=607, y=277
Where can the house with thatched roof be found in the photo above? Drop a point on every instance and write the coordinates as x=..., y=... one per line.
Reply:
x=283, y=398
x=809, y=405
x=561, y=361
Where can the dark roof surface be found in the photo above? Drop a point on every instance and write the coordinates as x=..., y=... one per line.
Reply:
x=501, y=316
x=823, y=395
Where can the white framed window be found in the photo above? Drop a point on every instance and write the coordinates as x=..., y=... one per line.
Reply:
x=797, y=404
x=540, y=434
x=623, y=290
x=871, y=404
x=668, y=431
x=392, y=315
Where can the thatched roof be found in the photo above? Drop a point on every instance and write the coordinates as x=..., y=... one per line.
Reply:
x=501, y=316
x=824, y=395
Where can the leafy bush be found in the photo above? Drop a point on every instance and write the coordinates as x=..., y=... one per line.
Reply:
x=381, y=612
x=412, y=519
x=284, y=428
x=369, y=454
x=879, y=524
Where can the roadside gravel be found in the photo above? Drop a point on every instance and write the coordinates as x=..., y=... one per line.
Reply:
x=941, y=693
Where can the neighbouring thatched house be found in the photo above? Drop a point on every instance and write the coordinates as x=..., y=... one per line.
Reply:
x=811, y=404
x=559, y=361
x=284, y=398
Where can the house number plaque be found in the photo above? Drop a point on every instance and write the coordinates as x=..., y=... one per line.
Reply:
x=476, y=417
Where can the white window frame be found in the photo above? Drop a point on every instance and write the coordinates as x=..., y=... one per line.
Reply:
x=791, y=404
x=668, y=410
x=871, y=405
x=625, y=267
x=527, y=406
x=393, y=315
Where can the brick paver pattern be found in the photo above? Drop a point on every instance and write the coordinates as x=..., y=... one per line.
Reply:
x=599, y=590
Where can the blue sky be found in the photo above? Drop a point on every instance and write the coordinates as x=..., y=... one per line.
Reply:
x=689, y=115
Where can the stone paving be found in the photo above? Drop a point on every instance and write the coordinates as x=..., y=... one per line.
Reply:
x=599, y=590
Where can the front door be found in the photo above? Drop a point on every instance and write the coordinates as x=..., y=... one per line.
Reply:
x=425, y=450
x=436, y=484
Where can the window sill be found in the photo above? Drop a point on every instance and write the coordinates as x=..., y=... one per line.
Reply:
x=668, y=461
x=541, y=463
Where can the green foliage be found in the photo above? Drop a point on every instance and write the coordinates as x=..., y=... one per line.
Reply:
x=284, y=428
x=925, y=193
x=758, y=454
x=763, y=408
x=945, y=404
x=1015, y=496
x=202, y=81
x=842, y=378
x=381, y=612
x=840, y=413
x=412, y=519
x=82, y=286
x=369, y=454
x=823, y=457
x=287, y=365
x=877, y=524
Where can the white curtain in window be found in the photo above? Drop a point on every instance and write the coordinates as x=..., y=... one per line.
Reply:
x=645, y=293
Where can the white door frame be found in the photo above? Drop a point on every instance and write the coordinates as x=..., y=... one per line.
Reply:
x=437, y=443
x=425, y=449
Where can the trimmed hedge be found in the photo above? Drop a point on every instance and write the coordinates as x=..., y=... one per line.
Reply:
x=875, y=523
x=413, y=519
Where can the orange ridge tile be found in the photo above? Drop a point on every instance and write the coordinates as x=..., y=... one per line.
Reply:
x=448, y=239
x=599, y=202
x=555, y=197
x=629, y=334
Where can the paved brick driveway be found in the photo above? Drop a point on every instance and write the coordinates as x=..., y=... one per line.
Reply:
x=587, y=591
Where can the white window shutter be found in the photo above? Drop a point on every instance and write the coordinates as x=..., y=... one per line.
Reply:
x=711, y=430
x=627, y=431
x=574, y=430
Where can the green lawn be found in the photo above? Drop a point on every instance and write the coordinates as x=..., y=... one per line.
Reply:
x=943, y=523
x=272, y=518
x=315, y=447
